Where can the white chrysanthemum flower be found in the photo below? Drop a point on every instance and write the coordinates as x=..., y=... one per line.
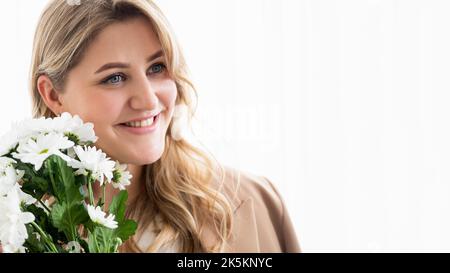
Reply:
x=22, y=131
x=8, y=142
x=33, y=127
x=73, y=125
x=13, y=232
x=37, y=151
x=95, y=161
x=121, y=178
x=24, y=198
x=8, y=175
x=98, y=216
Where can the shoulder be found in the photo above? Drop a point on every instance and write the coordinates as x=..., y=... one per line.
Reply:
x=239, y=186
x=262, y=220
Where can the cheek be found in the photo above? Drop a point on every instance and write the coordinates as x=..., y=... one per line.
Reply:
x=104, y=114
x=100, y=109
x=168, y=94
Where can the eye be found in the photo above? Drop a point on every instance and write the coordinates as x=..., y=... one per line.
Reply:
x=114, y=79
x=157, y=68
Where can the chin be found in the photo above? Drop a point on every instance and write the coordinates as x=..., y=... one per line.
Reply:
x=146, y=158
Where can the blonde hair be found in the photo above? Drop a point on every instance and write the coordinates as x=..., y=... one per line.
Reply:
x=179, y=188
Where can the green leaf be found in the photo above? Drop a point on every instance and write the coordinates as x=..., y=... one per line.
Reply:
x=36, y=187
x=63, y=180
x=66, y=217
x=125, y=228
x=28, y=168
x=43, y=220
x=92, y=244
x=117, y=206
x=40, y=183
x=101, y=240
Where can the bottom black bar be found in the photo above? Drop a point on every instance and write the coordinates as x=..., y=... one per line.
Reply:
x=229, y=262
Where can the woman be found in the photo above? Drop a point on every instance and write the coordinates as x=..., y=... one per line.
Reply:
x=117, y=64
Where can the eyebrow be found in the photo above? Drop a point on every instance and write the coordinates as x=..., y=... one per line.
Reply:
x=107, y=66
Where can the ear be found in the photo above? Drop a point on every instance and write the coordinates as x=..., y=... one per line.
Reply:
x=49, y=94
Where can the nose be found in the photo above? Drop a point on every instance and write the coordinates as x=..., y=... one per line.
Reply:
x=144, y=95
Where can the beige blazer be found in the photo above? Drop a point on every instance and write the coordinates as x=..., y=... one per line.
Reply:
x=261, y=220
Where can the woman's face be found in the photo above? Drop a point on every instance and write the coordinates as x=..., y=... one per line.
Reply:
x=123, y=77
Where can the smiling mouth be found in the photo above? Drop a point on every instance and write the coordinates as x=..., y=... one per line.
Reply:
x=144, y=127
x=140, y=124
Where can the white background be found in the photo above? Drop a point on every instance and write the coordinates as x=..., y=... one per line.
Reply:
x=343, y=105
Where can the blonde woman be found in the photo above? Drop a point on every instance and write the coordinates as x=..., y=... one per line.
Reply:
x=117, y=64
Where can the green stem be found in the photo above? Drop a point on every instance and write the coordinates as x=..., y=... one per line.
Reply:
x=73, y=233
x=54, y=186
x=94, y=239
x=45, y=237
x=91, y=193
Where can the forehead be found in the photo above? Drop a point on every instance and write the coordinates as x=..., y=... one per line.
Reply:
x=127, y=41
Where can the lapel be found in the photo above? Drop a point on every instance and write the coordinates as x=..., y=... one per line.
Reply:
x=244, y=232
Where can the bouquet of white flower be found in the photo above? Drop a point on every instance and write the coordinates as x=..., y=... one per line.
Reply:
x=47, y=169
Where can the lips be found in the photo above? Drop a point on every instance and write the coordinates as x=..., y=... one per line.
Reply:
x=141, y=130
x=141, y=118
x=144, y=122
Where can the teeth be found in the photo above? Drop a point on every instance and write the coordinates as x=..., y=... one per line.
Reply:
x=144, y=123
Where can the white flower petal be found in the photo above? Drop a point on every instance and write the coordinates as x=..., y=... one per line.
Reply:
x=13, y=232
x=98, y=216
x=37, y=151
x=94, y=161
